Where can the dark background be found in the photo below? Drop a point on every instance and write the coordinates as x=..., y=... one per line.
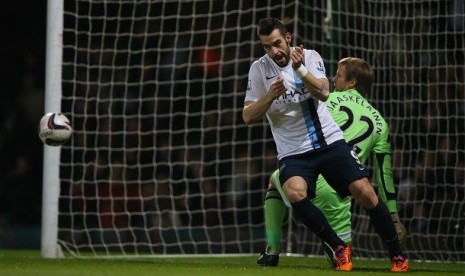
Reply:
x=431, y=118
x=22, y=71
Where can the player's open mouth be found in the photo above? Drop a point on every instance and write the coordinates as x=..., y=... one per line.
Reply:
x=280, y=59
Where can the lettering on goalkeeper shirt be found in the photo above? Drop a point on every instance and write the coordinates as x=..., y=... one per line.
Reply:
x=333, y=104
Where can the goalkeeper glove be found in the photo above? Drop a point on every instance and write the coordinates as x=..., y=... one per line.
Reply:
x=400, y=228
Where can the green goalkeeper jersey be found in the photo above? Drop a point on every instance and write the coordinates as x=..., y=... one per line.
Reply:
x=366, y=130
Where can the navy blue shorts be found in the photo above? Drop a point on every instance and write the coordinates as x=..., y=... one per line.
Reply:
x=338, y=164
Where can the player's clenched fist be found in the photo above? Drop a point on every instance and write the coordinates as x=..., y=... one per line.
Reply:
x=297, y=56
x=277, y=87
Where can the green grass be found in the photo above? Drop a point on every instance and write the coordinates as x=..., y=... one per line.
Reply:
x=30, y=263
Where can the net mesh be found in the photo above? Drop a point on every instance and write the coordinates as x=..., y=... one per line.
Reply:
x=161, y=162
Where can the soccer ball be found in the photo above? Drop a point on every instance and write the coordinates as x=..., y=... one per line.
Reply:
x=54, y=129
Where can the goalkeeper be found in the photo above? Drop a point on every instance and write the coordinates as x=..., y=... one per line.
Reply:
x=366, y=130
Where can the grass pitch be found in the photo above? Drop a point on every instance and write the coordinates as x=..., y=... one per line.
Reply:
x=26, y=263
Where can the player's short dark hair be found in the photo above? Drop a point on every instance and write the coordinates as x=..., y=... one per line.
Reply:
x=359, y=69
x=267, y=25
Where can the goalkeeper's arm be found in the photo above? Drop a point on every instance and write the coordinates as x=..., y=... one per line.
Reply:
x=387, y=191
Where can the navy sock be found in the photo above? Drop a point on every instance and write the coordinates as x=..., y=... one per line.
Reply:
x=314, y=219
x=382, y=223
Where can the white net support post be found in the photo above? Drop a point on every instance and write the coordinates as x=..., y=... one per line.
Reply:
x=51, y=160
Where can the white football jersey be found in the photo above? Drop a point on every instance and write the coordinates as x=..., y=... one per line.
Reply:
x=299, y=122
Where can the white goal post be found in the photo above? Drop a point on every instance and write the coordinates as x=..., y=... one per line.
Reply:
x=51, y=160
x=161, y=163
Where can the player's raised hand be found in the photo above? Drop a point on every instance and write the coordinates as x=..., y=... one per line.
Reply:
x=297, y=56
x=277, y=87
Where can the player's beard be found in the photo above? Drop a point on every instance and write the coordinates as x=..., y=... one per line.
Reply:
x=282, y=59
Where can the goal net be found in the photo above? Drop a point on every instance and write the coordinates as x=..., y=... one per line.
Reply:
x=161, y=162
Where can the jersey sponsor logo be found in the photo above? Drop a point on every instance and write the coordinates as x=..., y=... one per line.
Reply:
x=294, y=96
